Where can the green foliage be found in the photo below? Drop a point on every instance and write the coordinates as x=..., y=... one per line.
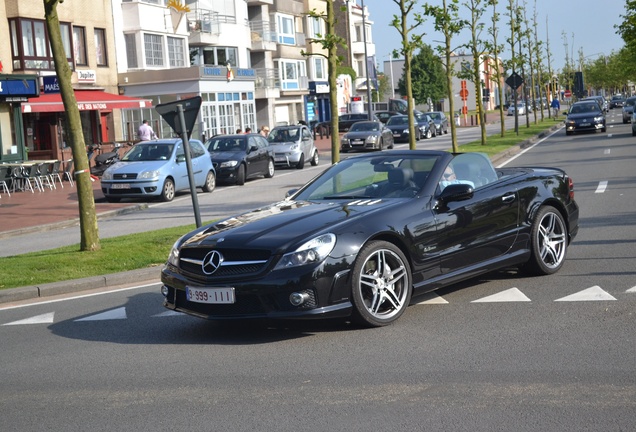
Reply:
x=428, y=77
x=346, y=70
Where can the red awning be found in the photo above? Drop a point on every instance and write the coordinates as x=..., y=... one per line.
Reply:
x=87, y=100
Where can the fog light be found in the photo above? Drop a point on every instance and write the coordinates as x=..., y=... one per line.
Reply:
x=164, y=291
x=296, y=299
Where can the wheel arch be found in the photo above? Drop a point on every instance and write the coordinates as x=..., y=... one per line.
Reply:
x=553, y=202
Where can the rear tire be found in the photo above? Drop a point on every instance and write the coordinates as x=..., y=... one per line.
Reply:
x=549, y=242
x=210, y=182
x=271, y=169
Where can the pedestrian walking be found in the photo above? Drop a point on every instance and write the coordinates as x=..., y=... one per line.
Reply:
x=145, y=132
x=556, y=106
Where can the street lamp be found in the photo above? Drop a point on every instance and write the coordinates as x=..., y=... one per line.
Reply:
x=366, y=59
x=391, y=67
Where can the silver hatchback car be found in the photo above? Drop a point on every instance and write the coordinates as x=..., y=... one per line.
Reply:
x=157, y=169
x=293, y=146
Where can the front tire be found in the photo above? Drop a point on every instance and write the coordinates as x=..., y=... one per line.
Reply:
x=240, y=175
x=301, y=162
x=381, y=284
x=549, y=242
x=210, y=182
x=167, y=191
x=429, y=134
x=315, y=159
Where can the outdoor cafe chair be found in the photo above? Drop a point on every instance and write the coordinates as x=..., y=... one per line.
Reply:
x=25, y=176
x=55, y=173
x=4, y=177
x=68, y=171
x=44, y=176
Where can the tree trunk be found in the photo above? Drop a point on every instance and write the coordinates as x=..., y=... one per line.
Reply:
x=86, y=200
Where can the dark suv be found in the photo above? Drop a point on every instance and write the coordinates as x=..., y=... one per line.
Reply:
x=617, y=101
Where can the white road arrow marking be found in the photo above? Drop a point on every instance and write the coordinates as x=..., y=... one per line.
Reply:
x=631, y=290
x=510, y=295
x=594, y=293
x=46, y=318
x=119, y=313
x=601, y=187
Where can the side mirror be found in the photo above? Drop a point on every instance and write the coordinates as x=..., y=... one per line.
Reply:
x=456, y=192
x=290, y=193
x=253, y=148
x=181, y=158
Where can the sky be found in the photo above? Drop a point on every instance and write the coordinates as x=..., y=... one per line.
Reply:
x=588, y=24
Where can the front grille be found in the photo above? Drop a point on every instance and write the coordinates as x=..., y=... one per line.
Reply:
x=125, y=176
x=237, y=262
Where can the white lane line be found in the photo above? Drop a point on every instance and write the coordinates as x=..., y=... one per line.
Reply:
x=46, y=318
x=115, y=314
x=510, y=295
x=609, y=135
x=607, y=151
x=595, y=293
x=528, y=148
x=601, y=187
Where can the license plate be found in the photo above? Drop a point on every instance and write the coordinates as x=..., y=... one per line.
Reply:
x=120, y=186
x=585, y=124
x=396, y=134
x=356, y=142
x=211, y=295
x=280, y=159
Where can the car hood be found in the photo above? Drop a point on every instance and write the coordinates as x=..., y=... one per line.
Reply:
x=580, y=116
x=280, y=145
x=360, y=134
x=226, y=155
x=398, y=127
x=286, y=224
x=136, y=166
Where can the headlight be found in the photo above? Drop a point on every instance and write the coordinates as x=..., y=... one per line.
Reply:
x=312, y=252
x=598, y=119
x=228, y=164
x=173, y=258
x=372, y=138
x=294, y=147
x=405, y=131
x=107, y=175
x=149, y=174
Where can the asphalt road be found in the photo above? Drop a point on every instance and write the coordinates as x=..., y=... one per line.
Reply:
x=500, y=352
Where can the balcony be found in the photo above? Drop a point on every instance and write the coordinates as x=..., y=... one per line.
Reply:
x=263, y=36
x=267, y=83
x=259, y=2
x=206, y=26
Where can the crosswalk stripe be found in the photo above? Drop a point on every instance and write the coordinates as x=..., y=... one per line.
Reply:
x=595, y=293
x=119, y=313
x=46, y=318
x=510, y=295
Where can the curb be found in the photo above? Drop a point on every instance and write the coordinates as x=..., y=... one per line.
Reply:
x=64, y=287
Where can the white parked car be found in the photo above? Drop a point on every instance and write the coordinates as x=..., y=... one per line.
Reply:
x=521, y=107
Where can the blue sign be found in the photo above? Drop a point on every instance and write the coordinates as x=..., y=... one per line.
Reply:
x=50, y=84
x=19, y=87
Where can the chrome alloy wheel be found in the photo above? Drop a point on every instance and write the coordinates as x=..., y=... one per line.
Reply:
x=551, y=240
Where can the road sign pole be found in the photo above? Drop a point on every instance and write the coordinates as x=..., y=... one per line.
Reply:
x=188, y=158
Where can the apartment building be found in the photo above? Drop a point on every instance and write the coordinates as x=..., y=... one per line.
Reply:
x=31, y=111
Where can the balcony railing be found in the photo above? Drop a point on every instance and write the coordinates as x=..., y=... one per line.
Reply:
x=267, y=78
x=262, y=31
x=208, y=21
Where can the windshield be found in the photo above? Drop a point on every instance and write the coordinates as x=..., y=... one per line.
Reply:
x=225, y=144
x=387, y=176
x=365, y=127
x=580, y=108
x=149, y=152
x=397, y=120
x=283, y=135
x=435, y=116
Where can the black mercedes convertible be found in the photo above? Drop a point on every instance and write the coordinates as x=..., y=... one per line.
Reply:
x=370, y=232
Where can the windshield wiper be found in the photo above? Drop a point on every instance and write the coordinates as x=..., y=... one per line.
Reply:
x=348, y=197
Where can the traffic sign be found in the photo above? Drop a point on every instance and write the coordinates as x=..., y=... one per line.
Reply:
x=463, y=93
x=567, y=93
x=514, y=80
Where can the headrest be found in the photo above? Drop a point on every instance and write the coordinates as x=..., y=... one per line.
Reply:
x=400, y=176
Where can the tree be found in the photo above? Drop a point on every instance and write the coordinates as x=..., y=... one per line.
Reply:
x=496, y=49
x=428, y=77
x=89, y=239
x=410, y=42
x=447, y=22
x=330, y=42
x=477, y=9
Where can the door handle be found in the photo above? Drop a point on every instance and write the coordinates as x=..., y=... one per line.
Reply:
x=508, y=198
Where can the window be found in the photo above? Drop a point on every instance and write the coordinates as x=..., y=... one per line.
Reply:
x=285, y=29
x=79, y=45
x=291, y=72
x=320, y=72
x=30, y=44
x=220, y=56
x=176, y=52
x=100, y=47
x=315, y=27
x=154, y=49
x=131, y=51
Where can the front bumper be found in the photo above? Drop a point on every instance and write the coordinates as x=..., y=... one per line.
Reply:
x=287, y=159
x=583, y=126
x=268, y=296
x=131, y=189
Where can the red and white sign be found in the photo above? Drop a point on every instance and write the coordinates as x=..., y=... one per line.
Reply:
x=86, y=76
x=567, y=93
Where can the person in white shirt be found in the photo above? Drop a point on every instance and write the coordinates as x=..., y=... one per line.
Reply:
x=145, y=132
